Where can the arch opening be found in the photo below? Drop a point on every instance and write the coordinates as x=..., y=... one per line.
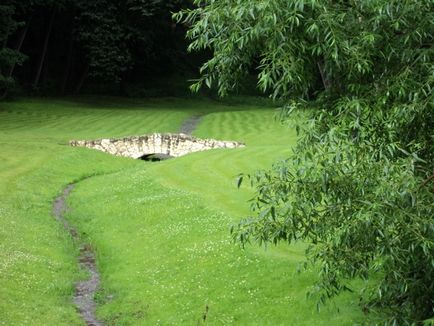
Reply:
x=155, y=157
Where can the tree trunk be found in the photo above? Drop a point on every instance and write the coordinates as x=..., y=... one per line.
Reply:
x=123, y=85
x=44, y=49
x=4, y=92
x=19, y=44
x=82, y=79
x=5, y=40
x=68, y=65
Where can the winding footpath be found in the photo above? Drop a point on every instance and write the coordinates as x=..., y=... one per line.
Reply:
x=190, y=124
x=86, y=289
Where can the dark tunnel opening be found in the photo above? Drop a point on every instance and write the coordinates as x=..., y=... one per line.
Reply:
x=155, y=157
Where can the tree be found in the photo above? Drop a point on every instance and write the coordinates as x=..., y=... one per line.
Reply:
x=9, y=57
x=104, y=39
x=44, y=47
x=359, y=187
x=68, y=42
x=117, y=35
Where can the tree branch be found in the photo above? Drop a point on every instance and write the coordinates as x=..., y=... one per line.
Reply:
x=426, y=181
x=324, y=79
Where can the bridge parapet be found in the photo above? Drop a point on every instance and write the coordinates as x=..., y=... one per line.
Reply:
x=173, y=145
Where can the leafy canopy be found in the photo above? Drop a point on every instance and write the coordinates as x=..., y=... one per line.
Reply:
x=64, y=41
x=360, y=185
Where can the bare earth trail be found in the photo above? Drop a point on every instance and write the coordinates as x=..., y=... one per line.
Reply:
x=190, y=124
x=86, y=289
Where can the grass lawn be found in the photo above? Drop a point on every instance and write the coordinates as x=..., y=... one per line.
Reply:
x=160, y=230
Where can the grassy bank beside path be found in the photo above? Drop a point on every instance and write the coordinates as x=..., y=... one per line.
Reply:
x=37, y=257
x=160, y=230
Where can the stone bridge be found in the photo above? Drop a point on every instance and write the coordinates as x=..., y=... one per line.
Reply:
x=158, y=145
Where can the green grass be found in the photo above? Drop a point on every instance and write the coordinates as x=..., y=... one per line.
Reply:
x=160, y=230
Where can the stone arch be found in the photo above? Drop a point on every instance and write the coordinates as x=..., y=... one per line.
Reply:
x=164, y=145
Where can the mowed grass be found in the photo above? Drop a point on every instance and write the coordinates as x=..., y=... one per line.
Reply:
x=37, y=257
x=160, y=230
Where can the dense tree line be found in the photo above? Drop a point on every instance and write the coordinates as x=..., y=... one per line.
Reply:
x=360, y=185
x=55, y=46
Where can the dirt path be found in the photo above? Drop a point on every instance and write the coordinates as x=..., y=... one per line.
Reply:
x=190, y=124
x=84, y=290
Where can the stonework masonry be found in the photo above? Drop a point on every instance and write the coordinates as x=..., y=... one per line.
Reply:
x=173, y=145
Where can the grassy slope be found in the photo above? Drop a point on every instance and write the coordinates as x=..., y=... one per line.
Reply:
x=37, y=258
x=160, y=230
x=168, y=254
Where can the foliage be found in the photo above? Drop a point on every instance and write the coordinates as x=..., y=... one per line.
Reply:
x=104, y=39
x=118, y=34
x=8, y=56
x=359, y=187
x=66, y=41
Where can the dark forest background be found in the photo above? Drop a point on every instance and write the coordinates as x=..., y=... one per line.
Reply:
x=66, y=47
